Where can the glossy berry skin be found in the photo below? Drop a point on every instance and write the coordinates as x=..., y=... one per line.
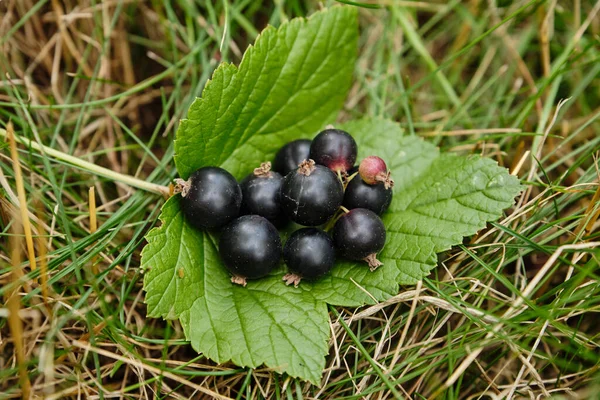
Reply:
x=250, y=247
x=311, y=197
x=211, y=199
x=335, y=149
x=291, y=155
x=309, y=253
x=359, y=194
x=359, y=234
x=260, y=196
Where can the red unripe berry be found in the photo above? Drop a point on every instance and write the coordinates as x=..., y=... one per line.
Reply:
x=373, y=170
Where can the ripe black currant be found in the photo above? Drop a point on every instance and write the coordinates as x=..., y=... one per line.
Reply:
x=311, y=194
x=360, y=235
x=250, y=248
x=309, y=253
x=291, y=155
x=211, y=197
x=260, y=194
x=334, y=149
x=359, y=194
x=373, y=170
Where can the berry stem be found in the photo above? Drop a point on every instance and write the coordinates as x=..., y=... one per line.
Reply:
x=343, y=177
x=348, y=179
x=96, y=169
x=341, y=211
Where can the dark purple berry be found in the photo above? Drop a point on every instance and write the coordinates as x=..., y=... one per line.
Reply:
x=250, y=248
x=309, y=254
x=360, y=235
x=334, y=149
x=260, y=194
x=359, y=194
x=311, y=194
x=373, y=170
x=211, y=197
x=291, y=155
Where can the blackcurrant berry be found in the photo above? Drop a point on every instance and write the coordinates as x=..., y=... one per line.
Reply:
x=250, y=248
x=334, y=149
x=260, y=194
x=373, y=170
x=359, y=194
x=311, y=194
x=211, y=197
x=309, y=253
x=360, y=235
x=291, y=155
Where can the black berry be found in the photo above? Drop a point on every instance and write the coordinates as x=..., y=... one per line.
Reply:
x=309, y=253
x=311, y=194
x=334, y=149
x=359, y=194
x=210, y=198
x=360, y=235
x=291, y=155
x=250, y=248
x=260, y=194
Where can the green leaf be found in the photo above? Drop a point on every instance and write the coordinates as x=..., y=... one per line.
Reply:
x=262, y=323
x=438, y=199
x=173, y=262
x=291, y=83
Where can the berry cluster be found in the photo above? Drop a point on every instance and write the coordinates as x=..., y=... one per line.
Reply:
x=313, y=183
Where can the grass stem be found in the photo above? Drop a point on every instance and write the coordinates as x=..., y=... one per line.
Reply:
x=21, y=193
x=42, y=254
x=14, y=307
x=93, y=222
x=92, y=168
